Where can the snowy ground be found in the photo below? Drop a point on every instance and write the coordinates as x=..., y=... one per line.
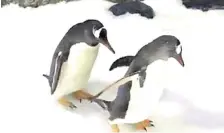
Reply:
x=28, y=38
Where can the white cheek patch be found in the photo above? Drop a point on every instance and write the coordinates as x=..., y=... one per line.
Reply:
x=178, y=49
x=97, y=32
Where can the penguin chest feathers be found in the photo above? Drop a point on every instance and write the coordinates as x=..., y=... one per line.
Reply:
x=143, y=100
x=82, y=58
x=76, y=70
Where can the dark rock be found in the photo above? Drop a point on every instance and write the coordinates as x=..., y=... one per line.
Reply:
x=133, y=7
x=204, y=5
x=6, y=2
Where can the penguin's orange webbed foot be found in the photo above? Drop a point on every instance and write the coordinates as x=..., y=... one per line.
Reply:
x=144, y=124
x=115, y=128
x=140, y=126
x=64, y=102
x=80, y=94
x=148, y=123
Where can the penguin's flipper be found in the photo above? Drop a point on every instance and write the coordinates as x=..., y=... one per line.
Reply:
x=58, y=65
x=106, y=105
x=117, y=83
x=123, y=61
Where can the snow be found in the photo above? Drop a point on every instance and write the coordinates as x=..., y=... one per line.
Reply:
x=192, y=103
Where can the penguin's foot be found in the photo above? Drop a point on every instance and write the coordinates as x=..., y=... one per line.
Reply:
x=64, y=102
x=148, y=123
x=80, y=94
x=140, y=126
x=144, y=124
x=115, y=128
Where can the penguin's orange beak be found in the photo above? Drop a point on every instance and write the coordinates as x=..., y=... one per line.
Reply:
x=179, y=58
x=103, y=39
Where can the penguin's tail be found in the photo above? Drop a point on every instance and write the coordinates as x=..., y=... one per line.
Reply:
x=46, y=76
x=123, y=61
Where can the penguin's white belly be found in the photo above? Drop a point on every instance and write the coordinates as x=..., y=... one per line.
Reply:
x=143, y=101
x=75, y=72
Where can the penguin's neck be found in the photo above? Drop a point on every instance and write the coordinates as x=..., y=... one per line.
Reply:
x=83, y=50
x=152, y=60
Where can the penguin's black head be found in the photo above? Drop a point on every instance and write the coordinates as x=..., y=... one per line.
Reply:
x=100, y=33
x=168, y=46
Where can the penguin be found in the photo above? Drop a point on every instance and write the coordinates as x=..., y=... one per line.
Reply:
x=73, y=60
x=141, y=87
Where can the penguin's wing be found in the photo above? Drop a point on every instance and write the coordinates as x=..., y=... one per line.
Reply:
x=119, y=82
x=60, y=59
x=122, y=61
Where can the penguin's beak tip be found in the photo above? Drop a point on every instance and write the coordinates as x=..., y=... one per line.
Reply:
x=113, y=51
x=180, y=59
x=107, y=44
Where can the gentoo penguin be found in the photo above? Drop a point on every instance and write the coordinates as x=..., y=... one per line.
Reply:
x=73, y=60
x=141, y=87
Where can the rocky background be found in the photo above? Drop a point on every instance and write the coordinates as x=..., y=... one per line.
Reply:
x=199, y=4
x=204, y=5
x=31, y=3
x=37, y=3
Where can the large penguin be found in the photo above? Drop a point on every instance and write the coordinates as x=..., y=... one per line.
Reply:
x=141, y=87
x=73, y=60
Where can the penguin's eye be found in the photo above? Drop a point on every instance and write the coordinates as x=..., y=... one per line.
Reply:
x=97, y=32
x=178, y=49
